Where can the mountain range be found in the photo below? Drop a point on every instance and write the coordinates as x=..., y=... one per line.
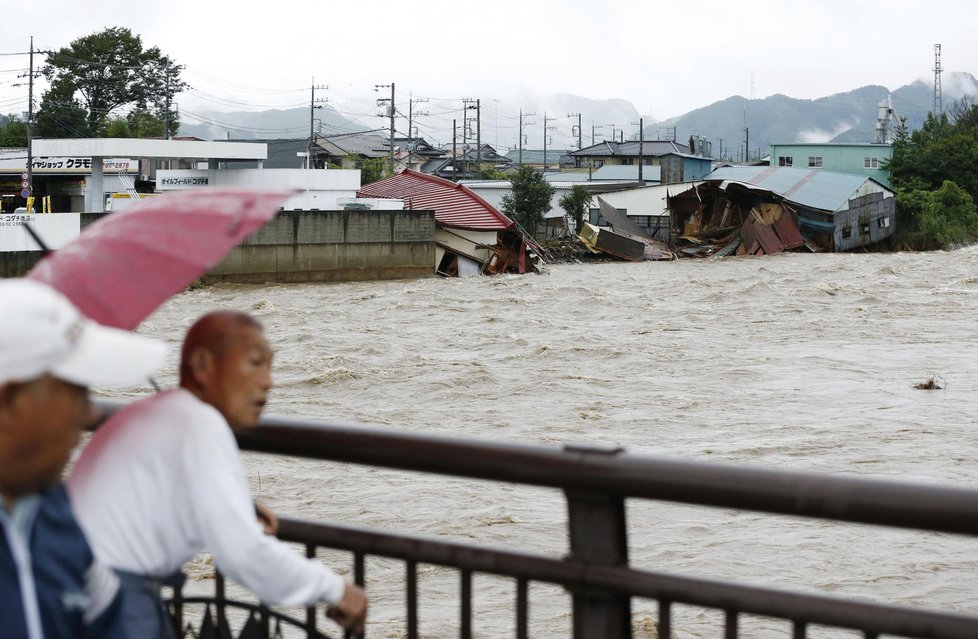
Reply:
x=843, y=117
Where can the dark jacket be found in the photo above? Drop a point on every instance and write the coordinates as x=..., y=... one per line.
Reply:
x=76, y=597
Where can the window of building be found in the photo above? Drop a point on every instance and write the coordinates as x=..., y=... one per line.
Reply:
x=815, y=161
x=883, y=222
x=871, y=163
x=786, y=160
x=846, y=232
x=628, y=161
x=864, y=229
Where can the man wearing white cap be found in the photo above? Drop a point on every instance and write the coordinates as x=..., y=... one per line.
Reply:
x=50, y=584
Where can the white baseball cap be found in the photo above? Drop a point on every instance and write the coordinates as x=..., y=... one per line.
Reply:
x=41, y=332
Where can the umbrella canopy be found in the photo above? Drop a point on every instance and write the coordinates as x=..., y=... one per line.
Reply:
x=122, y=267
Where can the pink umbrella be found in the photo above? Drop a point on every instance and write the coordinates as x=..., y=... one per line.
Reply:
x=122, y=267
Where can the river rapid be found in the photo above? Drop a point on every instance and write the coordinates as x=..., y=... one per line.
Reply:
x=798, y=361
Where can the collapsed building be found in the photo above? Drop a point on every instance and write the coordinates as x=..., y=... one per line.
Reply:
x=471, y=236
x=753, y=210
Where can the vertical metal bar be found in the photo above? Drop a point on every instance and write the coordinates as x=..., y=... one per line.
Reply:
x=310, y=610
x=220, y=598
x=665, y=618
x=730, y=627
x=178, y=610
x=598, y=536
x=359, y=578
x=522, y=609
x=359, y=570
x=466, y=595
x=800, y=630
x=264, y=620
x=412, y=599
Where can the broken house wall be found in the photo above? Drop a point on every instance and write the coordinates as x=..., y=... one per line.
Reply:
x=869, y=218
x=471, y=244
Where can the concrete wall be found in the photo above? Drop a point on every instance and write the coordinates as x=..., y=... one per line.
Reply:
x=317, y=246
x=312, y=246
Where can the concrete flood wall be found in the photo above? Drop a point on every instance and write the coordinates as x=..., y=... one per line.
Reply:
x=312, y=246
x=317, y=246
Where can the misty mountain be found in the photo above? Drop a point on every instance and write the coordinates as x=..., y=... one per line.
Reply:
x=842, y=117
x=779, y=119
x=260, y=125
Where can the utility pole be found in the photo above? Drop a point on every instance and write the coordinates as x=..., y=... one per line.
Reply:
x=411, y=103
x=578, y=116
x=478, y=138
x=166, y=117
x=545, y=128
x=390, y=161
x=454, y=153
x=593, y=127
x=522, y=116
x=312, y=119
x=938, y=105
x=641, y=147
x=472, y=104
x=30, y=120
x=746, y=144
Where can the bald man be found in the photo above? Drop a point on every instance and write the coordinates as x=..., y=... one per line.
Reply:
x=162, y=481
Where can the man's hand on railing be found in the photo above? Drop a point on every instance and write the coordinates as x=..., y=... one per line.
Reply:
x=351, y=611
x=267, y=518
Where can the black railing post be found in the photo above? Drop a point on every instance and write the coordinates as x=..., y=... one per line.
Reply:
x=596, y=523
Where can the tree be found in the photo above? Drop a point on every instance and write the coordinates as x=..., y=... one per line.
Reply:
x=13, y=133
x=491, y=174
x=935, y=174
x=576, y=204
x=529, y=200
x=371, y=169
x=105, y=75
x=938, y=219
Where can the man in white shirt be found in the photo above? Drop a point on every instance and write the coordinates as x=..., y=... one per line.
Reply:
x=51, y=586
x=162, y=480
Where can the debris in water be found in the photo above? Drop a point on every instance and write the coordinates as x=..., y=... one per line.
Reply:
x=934, y=382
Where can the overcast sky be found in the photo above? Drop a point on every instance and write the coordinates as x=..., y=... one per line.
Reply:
x=664, y=58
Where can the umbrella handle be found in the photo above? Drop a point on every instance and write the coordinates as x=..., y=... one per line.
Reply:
x=45, y=250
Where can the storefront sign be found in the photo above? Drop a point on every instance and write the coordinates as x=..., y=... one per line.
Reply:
x=16, y=162
x=181, y=179
x=56, y=229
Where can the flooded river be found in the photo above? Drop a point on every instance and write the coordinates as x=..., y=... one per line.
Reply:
x=803, y=362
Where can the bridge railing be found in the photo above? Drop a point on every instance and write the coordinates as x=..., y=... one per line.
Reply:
x=596, y=483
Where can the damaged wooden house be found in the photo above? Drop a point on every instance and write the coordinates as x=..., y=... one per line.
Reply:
x=622, y=238
x=471, y=236
x=754, y=210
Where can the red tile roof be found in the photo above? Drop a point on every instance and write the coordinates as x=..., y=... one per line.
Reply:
x=454, y=205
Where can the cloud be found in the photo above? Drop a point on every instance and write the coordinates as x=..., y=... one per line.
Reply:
x=817, y=136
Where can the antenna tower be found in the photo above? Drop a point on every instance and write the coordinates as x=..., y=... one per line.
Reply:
x=938, y=106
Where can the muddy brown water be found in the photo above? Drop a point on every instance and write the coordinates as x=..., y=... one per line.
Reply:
x=802, y=362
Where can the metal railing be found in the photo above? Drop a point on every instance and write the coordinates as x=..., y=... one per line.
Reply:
x=596, y=482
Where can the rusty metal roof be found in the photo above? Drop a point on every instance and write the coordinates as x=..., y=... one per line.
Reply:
x=454, y=205
x=812, y=188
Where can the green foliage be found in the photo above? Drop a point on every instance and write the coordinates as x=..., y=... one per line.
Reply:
x=13, y=133
x=576, y=204
x=935, y=174
x=937, y=219
x=103, y=74
x=371, y=169
x=492, y=174
x=529, y=200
